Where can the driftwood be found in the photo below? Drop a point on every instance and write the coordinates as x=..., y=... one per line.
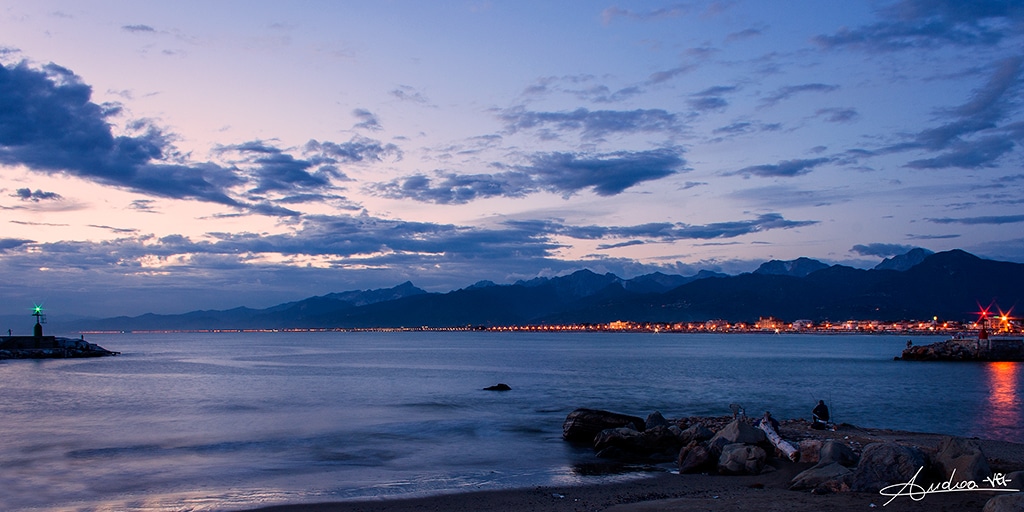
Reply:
x=783, y=446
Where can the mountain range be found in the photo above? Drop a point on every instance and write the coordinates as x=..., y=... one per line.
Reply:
x=951, y=285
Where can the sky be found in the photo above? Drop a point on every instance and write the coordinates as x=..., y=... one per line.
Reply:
x=173, y=156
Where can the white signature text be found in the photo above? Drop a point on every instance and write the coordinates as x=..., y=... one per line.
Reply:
x=916, y=492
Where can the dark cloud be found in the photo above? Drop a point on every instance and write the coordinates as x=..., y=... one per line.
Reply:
x=406, y=93
x=630, y=243
x=982, y=152
x=611, y=13
x=367, y=120
x=784, y=93
x=564, y=173
x=990, y=219
x=26, y=194
x=120, y=231
x=582, y=87
x=47, y=123
x=664, y=76
x=881, y=250
x=838, y=115
x=142, y=205
x=592, y=124
x=783, y=169
x=12, y=243
x=669, y=232
x=743, y=34
x=451, y=188
x=356, y=150
x=276, y=170
x=973, y=137
x=703, y=103
x=607, y=174
x=137, y=28
x=910, y=24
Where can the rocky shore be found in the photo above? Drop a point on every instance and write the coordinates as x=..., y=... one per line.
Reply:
x=843, y=469
x=49, y=347
x=984, y=349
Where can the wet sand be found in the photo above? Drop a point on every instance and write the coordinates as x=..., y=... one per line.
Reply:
x=667, y=492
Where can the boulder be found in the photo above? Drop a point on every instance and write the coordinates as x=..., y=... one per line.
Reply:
x=655, y=444
x=697, y=432
x=737, y=432
x=1009, y=502
x=655, y=419
x=498, y=387
x=883, y=464
x=741, y=459
x=694, y=458
x=962, y=456
x=617, y=443
x=810, y=450
x=583, y=425
x=832, y=476
x=1015, y=480
x=834, y=451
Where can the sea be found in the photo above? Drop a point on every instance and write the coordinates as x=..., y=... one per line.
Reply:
x=233, y=421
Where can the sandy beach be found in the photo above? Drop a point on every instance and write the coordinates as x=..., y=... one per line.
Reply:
x=666, y=491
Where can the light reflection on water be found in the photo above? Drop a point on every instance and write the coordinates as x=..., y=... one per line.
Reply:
x=229, y=421
x=1003, y=408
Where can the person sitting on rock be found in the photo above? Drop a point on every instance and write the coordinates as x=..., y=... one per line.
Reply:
x=820, y=415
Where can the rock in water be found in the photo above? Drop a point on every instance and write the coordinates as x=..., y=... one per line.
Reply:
x=498, y=387
x=583, y=425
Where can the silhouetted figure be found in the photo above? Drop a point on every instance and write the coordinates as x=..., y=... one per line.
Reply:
x=768, y=419
x=820, y=415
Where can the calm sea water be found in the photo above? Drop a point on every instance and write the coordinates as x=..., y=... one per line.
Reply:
x=230, y=421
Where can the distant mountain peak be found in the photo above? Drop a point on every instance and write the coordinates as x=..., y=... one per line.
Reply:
x=799, y=267
x=903, y=262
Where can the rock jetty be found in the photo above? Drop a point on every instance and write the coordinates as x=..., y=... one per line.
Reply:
x=49, y=347
x=969, y=349
x=843, y=459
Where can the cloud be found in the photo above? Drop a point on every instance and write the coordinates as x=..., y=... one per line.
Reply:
x=973, y=137
x=358, y=149
x=367, y=120
x=606, y=174
x=989, y=219
x=47, y=123
x=743, y=34
x=138, y=28
x=909, y=24
x=783, y=169
x=710, y=98
x=611, y=13
x=838, y=115
x=784, y=93
x=26, y=194
x=670, y=232
x=592, y=123
x=982, y=152
x=277, y=171
x=881, y=250
x=7, y=244
x=406, y=93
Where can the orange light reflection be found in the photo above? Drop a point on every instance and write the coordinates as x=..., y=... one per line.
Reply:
x=1004, y=404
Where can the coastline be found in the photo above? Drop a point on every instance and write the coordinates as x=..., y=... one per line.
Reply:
x=667, y=491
